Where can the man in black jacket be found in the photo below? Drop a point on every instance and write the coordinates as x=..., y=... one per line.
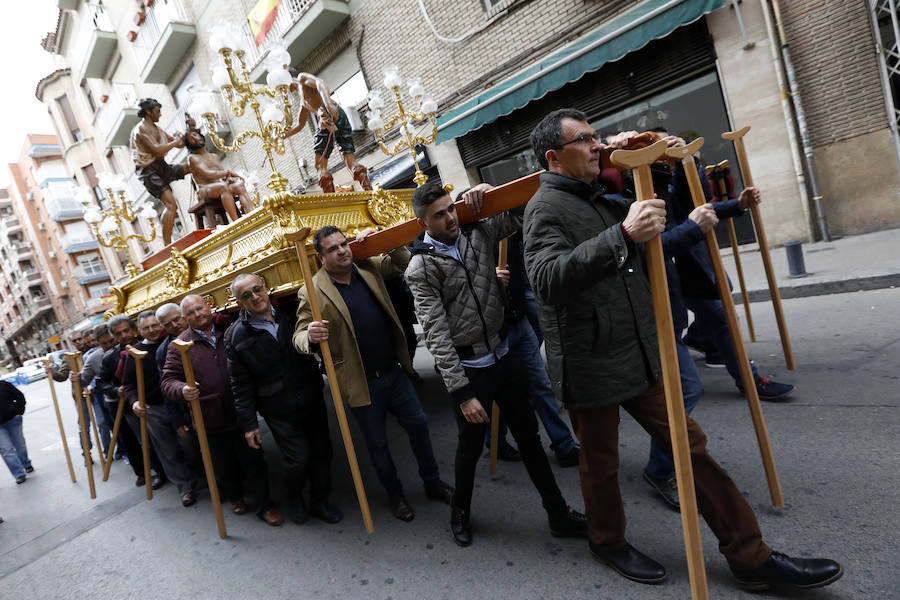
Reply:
x=597, y=317
x=270, y=377
x=162, y=419
x=109, y=383
x=12, y=442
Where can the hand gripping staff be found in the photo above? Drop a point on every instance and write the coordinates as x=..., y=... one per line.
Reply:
x=717, y=175
x=73, y=357
x=299, y=240
x=138, y=356
x=685, y=154
x=495, y=410
x=115, y=436
x=62, y=431
x=738, y=138
x=639, y=161
x=184, y=348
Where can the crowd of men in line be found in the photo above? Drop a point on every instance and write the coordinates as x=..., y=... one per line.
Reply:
x=576, y=283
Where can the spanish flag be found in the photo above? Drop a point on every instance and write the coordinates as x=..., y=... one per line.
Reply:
x=261, y=18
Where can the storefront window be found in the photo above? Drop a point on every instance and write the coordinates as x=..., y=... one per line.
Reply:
x=688, y=110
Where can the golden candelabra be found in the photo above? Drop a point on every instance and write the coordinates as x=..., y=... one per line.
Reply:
x=233, y=79
x=108, y=225
x=404, y=118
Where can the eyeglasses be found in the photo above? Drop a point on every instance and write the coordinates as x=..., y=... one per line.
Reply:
x=586, y=138
x=257, y=289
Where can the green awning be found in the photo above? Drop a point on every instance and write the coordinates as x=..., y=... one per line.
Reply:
x=611, y=41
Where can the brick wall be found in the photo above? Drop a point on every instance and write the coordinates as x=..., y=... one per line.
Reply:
x=837, y=69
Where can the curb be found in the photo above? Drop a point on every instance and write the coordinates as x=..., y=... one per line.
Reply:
x=822, y=288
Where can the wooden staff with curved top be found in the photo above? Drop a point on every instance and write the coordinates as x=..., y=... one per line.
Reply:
x=737, y=137
x=298, y=238
x=73, y=357
x=138, y=356
x=495, y=409
x=93, y=419
x=639, y=161
x=735, y=250
x=685, y=154
x=184, y=347
x=115, y=436
x=62, y=430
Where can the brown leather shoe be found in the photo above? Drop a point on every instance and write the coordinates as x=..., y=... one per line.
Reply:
x=188, y=498
x=238, y=507
x=272, y=517
x=400, y=507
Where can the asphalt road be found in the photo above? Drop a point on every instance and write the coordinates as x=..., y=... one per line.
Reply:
x=834, y=444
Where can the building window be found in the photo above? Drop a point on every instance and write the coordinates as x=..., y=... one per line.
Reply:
x=89, y=95
x=65, y=107
x=90, y=177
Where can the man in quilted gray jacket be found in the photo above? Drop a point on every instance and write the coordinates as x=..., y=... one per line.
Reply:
x=459, y=303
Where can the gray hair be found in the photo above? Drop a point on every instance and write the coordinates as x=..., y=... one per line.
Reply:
x=145, y=314
x=167, y=309
x=101, y=330
x=120, y=318
x=244, y=277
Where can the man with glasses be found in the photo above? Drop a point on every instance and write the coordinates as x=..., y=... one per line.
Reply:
x=270, y=377
x=596, y=312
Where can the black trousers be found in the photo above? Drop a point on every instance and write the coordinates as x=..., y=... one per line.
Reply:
x=129, y=442
x=233, y=461
x=302, y=437
x=505, y=383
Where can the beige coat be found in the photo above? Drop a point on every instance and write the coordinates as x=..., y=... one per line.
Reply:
x=348, y=365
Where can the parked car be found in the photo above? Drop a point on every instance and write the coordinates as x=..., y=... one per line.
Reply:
x=32, y=369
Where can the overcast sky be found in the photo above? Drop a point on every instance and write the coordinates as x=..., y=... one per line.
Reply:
x=22, y=63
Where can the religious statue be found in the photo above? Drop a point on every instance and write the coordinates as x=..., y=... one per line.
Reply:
x=213, y=181
x=334, y=126
x=149, y=144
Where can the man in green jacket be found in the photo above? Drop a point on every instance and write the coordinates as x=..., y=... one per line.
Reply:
x=596, y=312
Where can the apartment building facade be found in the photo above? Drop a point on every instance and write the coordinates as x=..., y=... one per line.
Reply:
x=695, y=67
x=53, y=277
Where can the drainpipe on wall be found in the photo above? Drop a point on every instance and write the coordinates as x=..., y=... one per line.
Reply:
x=796, y=154
x=801, y=124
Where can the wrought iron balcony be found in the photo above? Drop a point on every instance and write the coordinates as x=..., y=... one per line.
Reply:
x=162, y=40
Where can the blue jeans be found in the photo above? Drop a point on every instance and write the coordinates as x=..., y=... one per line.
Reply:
x=103, y=426
x=660, y=465
x=712, y=329
x=12, y=447
x=525, y=350
x=393, y=393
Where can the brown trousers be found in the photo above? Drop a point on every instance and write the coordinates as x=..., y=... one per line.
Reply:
x=720, y=502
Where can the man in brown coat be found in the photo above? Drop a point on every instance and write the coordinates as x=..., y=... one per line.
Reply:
x=233, y=460
x=370, y=357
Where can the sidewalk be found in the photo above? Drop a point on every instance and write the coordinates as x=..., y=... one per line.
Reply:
x=861, y=262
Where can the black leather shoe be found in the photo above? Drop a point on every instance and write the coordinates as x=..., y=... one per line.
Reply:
x=568, y=524
x=630, y=564
x=140, y=481
x=438, y=490
x=328, y=512
x=157, y=482
x=570, y=458
x=400, y=507
x=297, y=512
x=460, y=527
x=667, y=488
x=781, y=569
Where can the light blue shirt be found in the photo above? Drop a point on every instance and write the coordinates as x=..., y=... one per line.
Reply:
x=485, y=360
x=211, y=338
x=257, y=321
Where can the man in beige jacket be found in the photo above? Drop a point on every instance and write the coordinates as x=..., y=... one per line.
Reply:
x=370, y=357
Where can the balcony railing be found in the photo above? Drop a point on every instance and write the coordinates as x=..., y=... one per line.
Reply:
x=21, y=251
x=90, y=273
x=32, y=277
x=95, y=41
x=162, y=39
x=301, y=24
x=118, y=115
x=77, y=242
x=60, y=202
